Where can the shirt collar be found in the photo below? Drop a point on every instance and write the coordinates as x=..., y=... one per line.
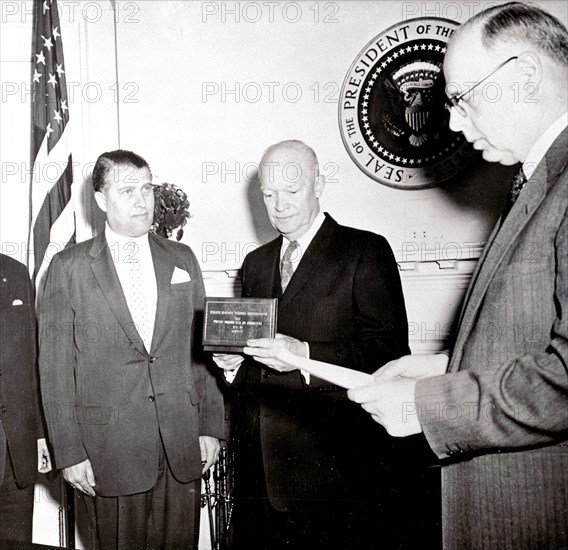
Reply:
x=112, y=237
x=539, y=149
x=305, y=240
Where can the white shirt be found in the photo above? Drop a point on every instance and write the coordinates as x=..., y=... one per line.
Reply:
x=124, y=250
x=542, y=145
x=303, y=242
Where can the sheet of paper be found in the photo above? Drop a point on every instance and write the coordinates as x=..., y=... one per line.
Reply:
x=340, y=376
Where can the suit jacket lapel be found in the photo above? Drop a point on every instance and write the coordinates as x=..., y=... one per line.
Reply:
x=477, y=269
x=267, y=271
x=536, y=188
x=164, y=268
x=105, y=273
x=311, y=259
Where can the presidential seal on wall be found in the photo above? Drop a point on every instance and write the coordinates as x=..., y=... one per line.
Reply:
x=391, y=108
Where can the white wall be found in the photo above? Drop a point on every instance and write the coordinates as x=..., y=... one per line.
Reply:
x=197, y=68
x=179, y=54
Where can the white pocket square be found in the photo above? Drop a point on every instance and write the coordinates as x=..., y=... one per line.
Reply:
x=180, y=276
x=17, y=302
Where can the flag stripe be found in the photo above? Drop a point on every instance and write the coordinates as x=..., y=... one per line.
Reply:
x=48, y=169
x=50, y=211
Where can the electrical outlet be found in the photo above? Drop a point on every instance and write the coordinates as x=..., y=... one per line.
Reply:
x=422, y=234
x=416, y=234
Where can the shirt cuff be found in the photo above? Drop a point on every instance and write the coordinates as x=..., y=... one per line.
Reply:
x=230, y=375
x=304, y=373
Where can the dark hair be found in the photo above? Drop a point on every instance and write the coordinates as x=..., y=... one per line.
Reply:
x=518, y=22
x=108, y=161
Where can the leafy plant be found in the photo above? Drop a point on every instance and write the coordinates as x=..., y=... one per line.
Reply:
x=171, y=210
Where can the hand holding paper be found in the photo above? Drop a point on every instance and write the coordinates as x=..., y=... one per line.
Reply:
x=390, y=402
x=269, y=352
x=340, y=376
x=389, y=399
x=413, y=366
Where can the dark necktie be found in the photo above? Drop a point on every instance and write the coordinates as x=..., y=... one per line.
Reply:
x=286, y=267
x=519, y=180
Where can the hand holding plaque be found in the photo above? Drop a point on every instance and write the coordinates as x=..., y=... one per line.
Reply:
x=230, y=322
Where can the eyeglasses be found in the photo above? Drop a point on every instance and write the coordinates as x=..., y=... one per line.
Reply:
x=455, y=100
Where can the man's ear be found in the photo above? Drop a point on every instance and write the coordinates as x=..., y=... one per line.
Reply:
x=319, y=185
x=530, y=67
x=101, y=200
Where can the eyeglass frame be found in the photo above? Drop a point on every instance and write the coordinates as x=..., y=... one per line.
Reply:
x=454, y=101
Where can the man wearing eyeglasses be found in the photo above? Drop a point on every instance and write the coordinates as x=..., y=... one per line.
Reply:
x=496, y=410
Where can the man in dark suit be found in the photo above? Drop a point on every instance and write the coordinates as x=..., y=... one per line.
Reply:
x=132, y=412
x=23, y=448
x=500, y=414
x=302, y=476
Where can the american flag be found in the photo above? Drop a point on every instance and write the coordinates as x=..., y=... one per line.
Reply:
x=52, y=218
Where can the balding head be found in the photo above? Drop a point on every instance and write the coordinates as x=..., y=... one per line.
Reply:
x=508, y=111
x=291, y=187
x=297, y=154
x=525, y=26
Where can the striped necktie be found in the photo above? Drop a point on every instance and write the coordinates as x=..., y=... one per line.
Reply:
x=286, y=266
x=519, y=180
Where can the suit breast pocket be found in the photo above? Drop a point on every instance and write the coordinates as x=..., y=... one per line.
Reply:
x=191, y=389
x=319, y=319
x=193, y=395
x=182, y=287
x=17, y=321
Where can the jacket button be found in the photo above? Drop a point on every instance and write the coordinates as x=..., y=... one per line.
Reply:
x=3, y=408
x=151, y=398
x=152, y=359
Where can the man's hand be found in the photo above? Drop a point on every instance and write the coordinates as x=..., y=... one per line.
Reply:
x=414, y=366
x=267, y=351
x=228, y=361
x=390, y=398
x=391, y=403
x=210, y=449
x=43, y=457
x=81, y=476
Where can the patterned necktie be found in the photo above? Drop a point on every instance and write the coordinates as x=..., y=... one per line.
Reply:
x=137, y=304
x=519, y=180
x=286, y=267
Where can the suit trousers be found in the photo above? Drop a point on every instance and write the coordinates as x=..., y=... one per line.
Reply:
x=165, y=517
x=257, y=525
x=16, y=506
x=404, y=516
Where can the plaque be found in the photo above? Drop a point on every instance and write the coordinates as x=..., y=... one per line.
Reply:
x=230, y=322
